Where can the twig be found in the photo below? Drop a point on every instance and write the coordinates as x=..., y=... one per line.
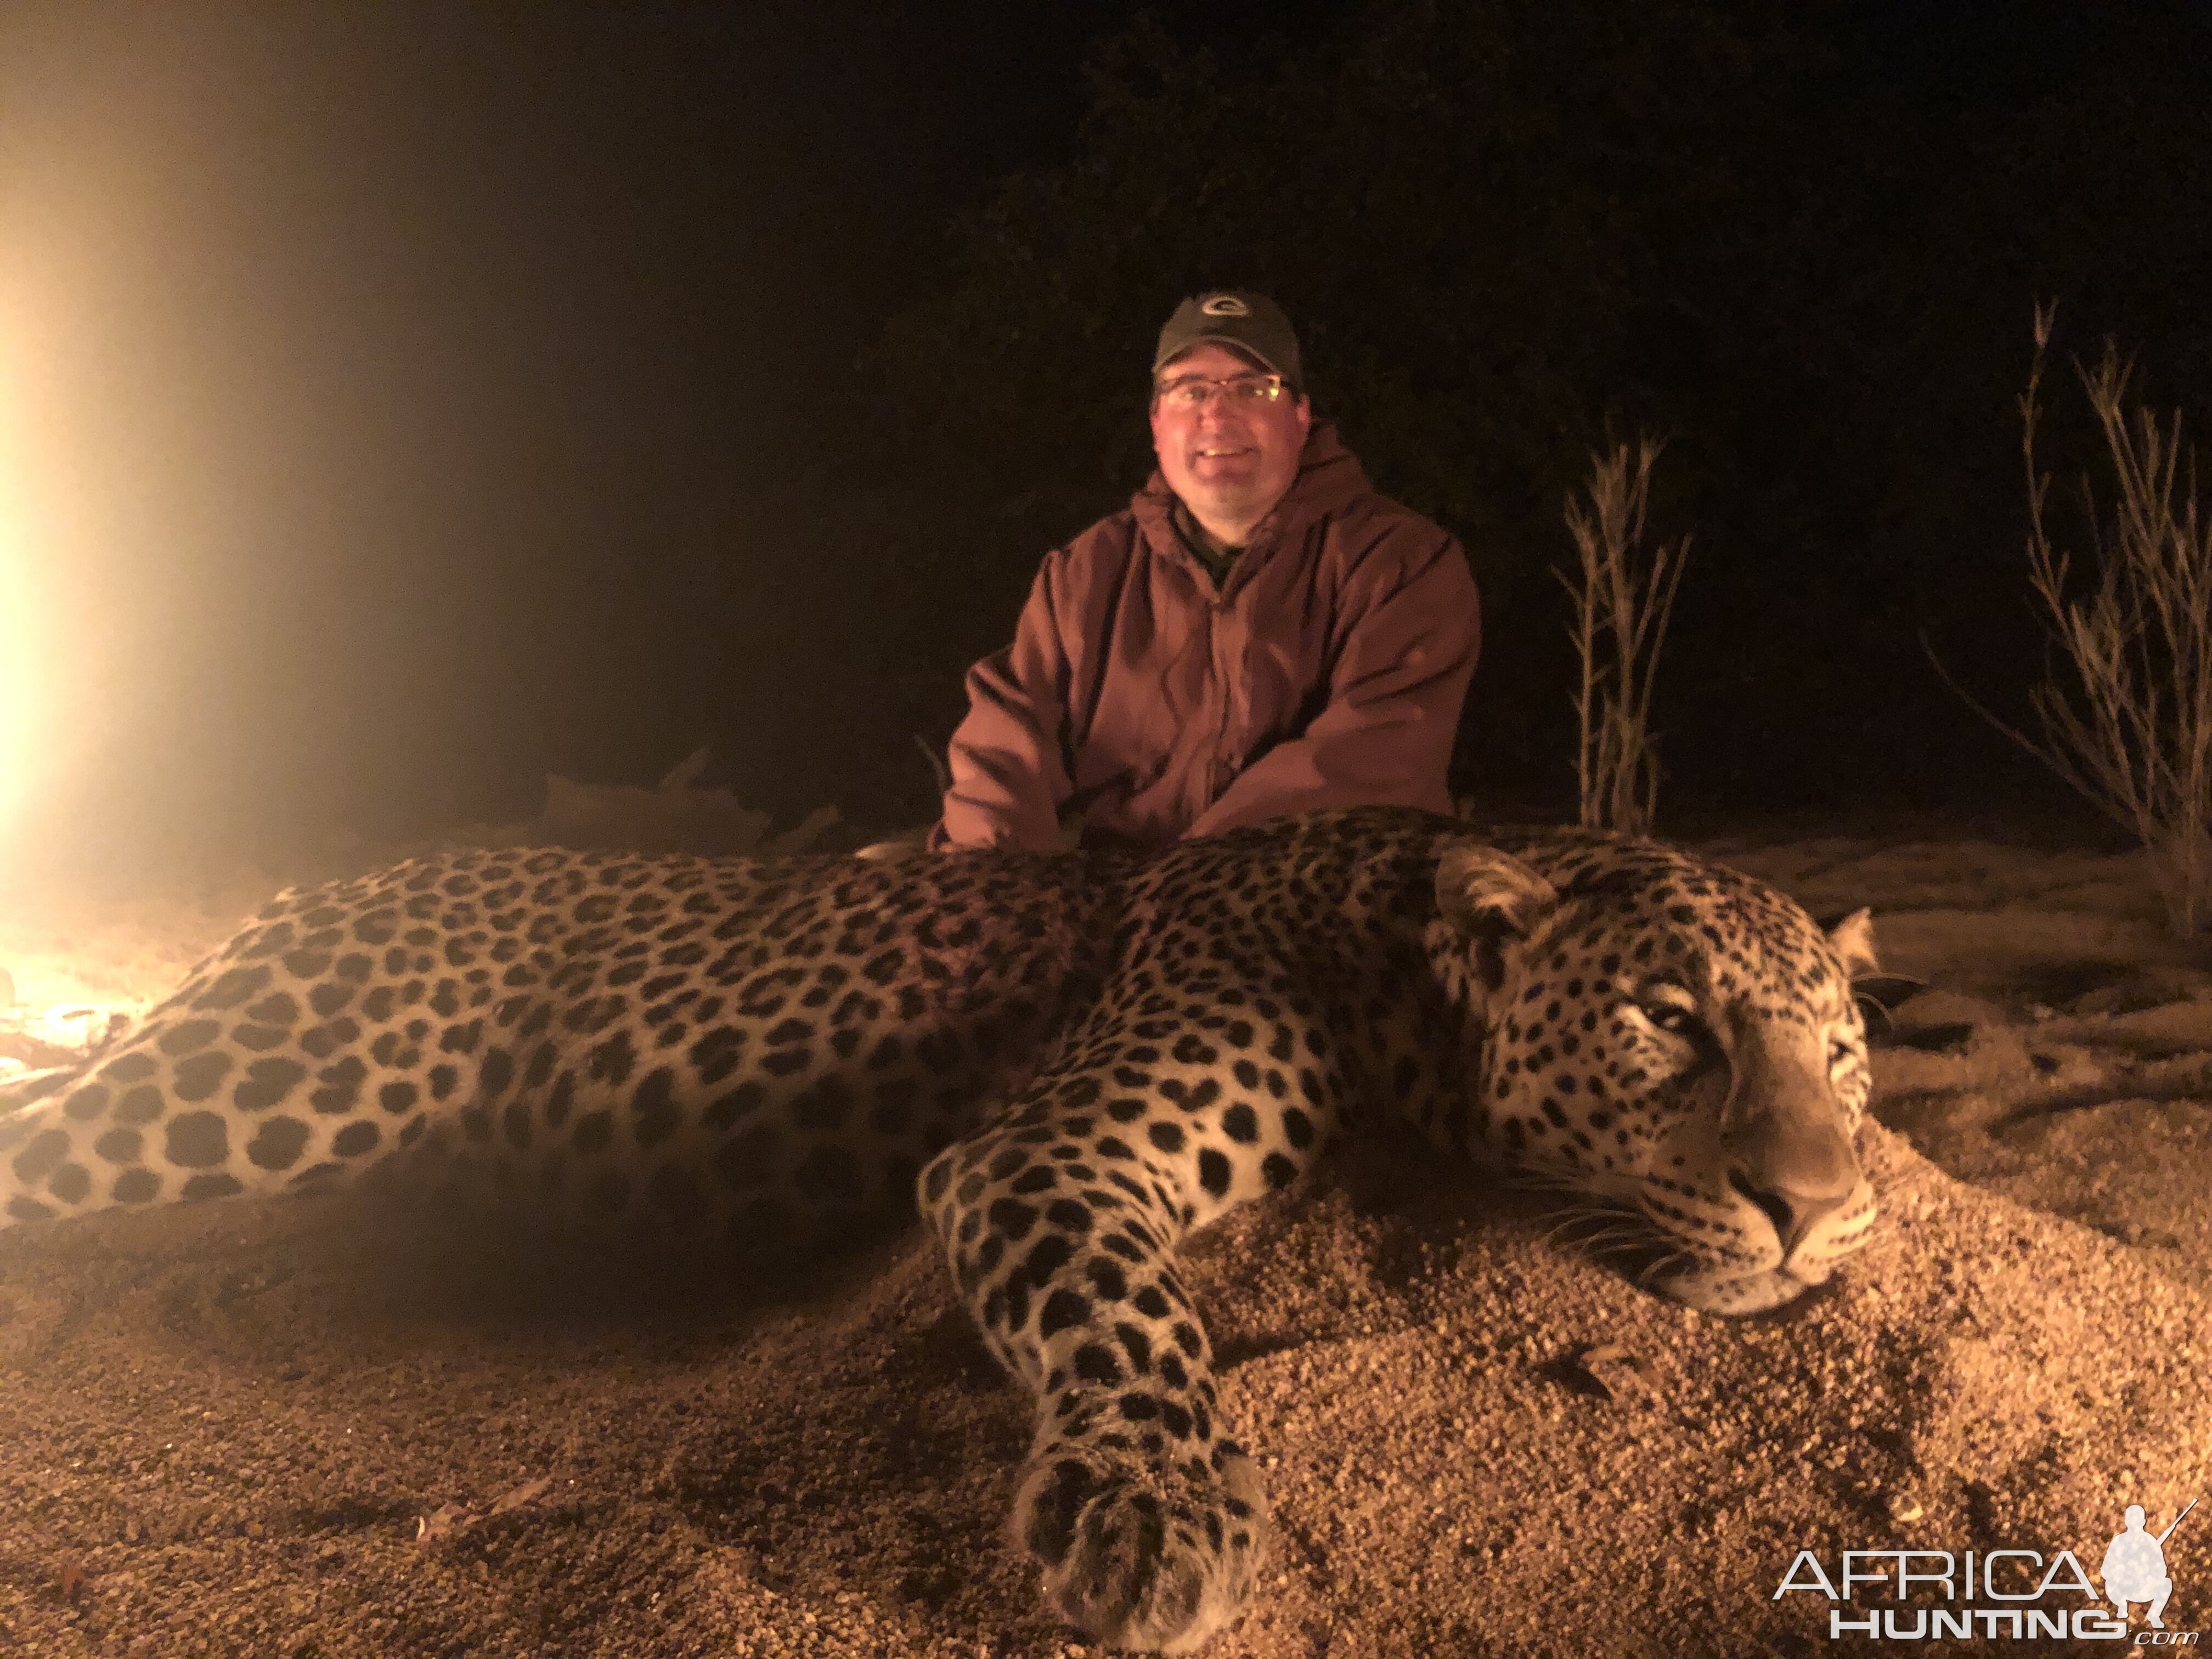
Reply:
x=1620, y=619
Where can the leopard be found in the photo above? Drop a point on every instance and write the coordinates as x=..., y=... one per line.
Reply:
x=1065, y=1064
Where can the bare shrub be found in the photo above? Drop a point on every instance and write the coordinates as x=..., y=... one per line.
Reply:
x=1622, y=602
x=2130, y=729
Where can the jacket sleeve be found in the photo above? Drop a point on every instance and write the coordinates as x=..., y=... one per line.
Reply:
x=1400, y=674
x=1007, y=757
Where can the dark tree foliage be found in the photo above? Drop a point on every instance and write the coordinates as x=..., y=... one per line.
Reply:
x=1482, y=214
x=1509, y=231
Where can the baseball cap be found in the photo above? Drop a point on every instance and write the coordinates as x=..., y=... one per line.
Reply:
x=1252, y=322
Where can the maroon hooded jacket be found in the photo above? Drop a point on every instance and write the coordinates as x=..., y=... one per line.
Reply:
x=1327, y=670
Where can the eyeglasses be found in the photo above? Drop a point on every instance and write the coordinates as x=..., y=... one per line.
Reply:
x=1194, y=391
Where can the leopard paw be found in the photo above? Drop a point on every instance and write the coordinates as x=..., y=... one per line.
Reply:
x=1140, y=1554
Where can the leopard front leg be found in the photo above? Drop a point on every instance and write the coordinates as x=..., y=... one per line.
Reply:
x=1149, y=1522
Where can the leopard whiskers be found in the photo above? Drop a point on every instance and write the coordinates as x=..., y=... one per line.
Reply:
x=1606, y=1229
x=1545, y=1181
x=1667, y=1261
x=1607, y=1223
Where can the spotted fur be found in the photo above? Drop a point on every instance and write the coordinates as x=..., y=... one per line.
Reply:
x=1075, y=1060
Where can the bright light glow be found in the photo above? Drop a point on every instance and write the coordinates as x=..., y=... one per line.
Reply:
x=60, y=1033
x=68, y=271
x=29, y=749
x=19, y=665
x=32, y=272
x=138, y=348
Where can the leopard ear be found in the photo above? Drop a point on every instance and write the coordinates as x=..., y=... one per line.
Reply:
x=1853, y=938
x=1490, y=896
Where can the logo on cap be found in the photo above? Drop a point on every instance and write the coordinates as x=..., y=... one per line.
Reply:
x=1225, y=305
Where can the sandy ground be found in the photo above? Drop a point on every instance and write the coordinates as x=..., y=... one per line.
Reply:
x=223, y=1429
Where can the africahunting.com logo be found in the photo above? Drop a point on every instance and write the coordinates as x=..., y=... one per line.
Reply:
x=1912, y=1596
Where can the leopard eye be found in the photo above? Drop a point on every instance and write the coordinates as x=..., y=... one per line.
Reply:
x=1840, y=1050
x=1669, y=1008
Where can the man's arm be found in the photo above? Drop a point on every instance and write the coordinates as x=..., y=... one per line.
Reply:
x=1395, y=694
x=1009, y=772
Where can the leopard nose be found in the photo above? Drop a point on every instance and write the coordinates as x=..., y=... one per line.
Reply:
x=1793, y=1214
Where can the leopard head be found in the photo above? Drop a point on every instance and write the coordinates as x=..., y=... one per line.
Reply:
x=1674, y=1045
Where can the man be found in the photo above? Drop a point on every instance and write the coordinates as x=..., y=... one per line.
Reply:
x=1259, y=632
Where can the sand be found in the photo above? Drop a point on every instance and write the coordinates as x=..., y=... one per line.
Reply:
x=358, y=1424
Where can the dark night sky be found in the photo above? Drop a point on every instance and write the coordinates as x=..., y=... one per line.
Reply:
x=400, y=401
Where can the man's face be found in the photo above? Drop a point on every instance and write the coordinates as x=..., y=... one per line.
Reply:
x=1228, y=460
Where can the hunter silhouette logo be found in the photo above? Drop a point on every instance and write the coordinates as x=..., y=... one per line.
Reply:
x=2135, y=1566
x=1225, y=305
